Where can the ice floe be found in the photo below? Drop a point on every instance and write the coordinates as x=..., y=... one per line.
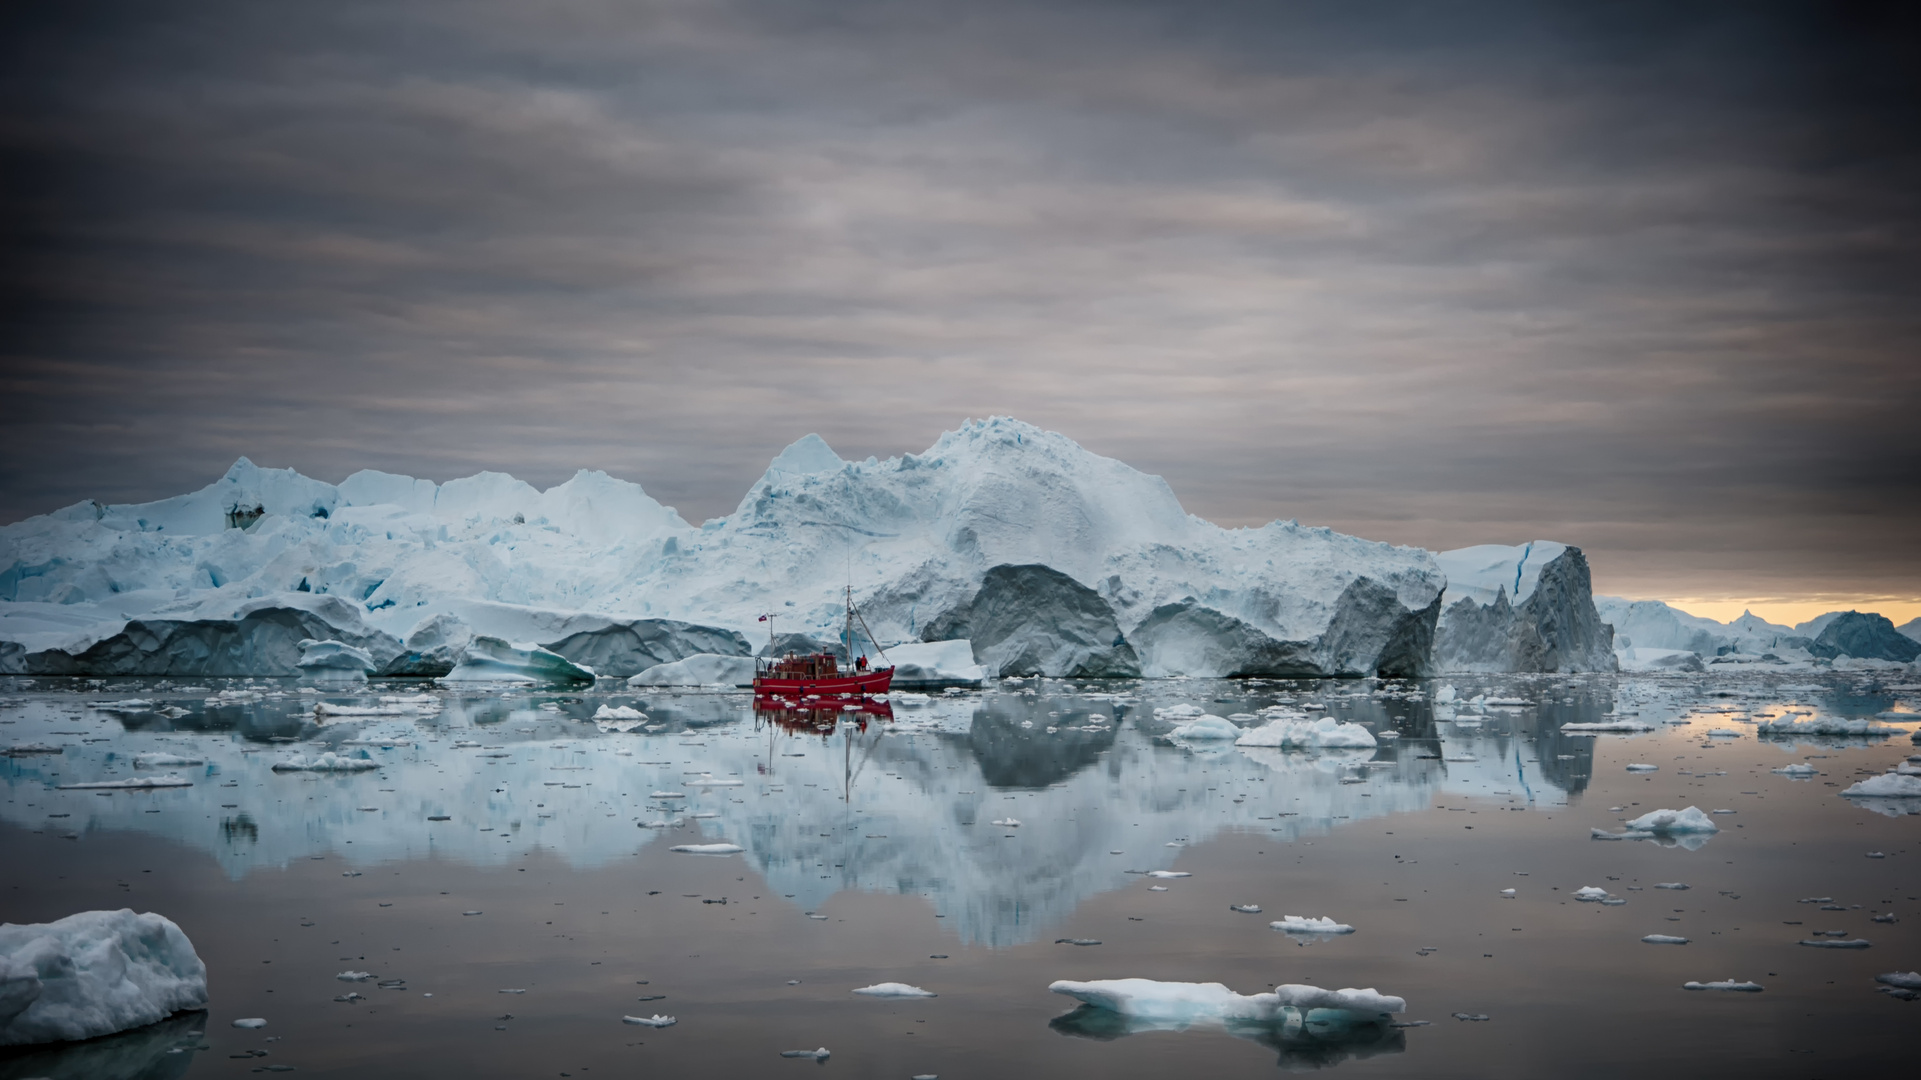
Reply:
x=1302, y=924
x=325, y=762
x=1734, y=985
x=1305, y=733
x=1690, y=820
x=1664, y=939
x=1201, y=1003
x=708, y=849
x=894, y=990
x=654, y=1021
x=1888, y=786
x=131, y=783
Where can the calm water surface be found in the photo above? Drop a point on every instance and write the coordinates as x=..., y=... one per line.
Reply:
x=871, y=855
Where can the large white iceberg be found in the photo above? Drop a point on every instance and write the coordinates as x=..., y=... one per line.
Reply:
x=1324, y=732
x=1891, y=785
x=1824, y=725
x=1205, y=1003
x=93, y=974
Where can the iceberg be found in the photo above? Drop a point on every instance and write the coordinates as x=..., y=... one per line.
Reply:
x=894, y=990
x=1892, y=785
x=489, y=659
x=1734, y=985
x=1325, y=732
x=1036, y=620
x=1206, y=728
x=93, y=974
x=1301, y=924
x=703, y=669
x=1213, y=1003
x=1691, y=820
x=334, y=659
x=935, y=665
x=1824, y=725
x=1528, y=607
x=654, y=1021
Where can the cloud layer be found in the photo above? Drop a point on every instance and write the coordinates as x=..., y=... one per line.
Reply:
x=1639, y=278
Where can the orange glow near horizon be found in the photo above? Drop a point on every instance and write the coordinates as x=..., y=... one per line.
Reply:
x=1789, y=612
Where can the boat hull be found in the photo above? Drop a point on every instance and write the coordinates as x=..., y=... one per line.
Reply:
x=867, y=682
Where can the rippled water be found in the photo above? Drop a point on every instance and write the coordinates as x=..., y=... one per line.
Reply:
x=870, y=855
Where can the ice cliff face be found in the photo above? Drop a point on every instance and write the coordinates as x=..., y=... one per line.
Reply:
x=1550, y=625
x=1052, y=559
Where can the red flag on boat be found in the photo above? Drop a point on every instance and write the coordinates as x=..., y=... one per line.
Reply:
x=763, y=618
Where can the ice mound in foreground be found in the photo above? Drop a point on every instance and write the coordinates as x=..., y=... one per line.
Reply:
x=1213, y=1003
x=489, y=659
x=1304, y=733
x=93, y=974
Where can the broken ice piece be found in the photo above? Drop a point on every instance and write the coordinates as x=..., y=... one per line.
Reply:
x=1590, y=893
x=1301, y=924
x=1642, y=767
x=250, y=1023
x=1669, y=885
x=1076, y=941
x=1856, y=943
x=894, y=990
x=1509, y=893
x=1245, y=909
x=1664, y=939
x=354, y=976
x=1157, y=888
x=511, y=991
x=1168, y=874
x=1007, y=823
x=818, y=1055
x=654, y=1021
x=473, y=913
x=1725, y=984
x=1470, y=1016
x=1901, y=980
x=707, y=849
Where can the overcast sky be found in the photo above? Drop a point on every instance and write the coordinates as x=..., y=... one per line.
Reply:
x=1645, y=278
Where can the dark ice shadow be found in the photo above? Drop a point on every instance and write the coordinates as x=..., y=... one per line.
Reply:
x=1317, y=1039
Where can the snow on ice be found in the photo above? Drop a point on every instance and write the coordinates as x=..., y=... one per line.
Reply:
x=92, y=974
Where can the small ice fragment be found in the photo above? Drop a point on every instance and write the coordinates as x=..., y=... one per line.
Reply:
x=1157, y=888
x=513, y=991
x=1664, y=939
x=1674, y=821
x=1639, y=767
x=707, y=849
x=472, y=913
x=1245, y=909
x=1797, y=769
x=668, y=795
x=1877, y=855
x=1509, y=893
x=1076, y=941
x=1168, y=873
x=817, y=918
x=1670, y=885
x=1470, y=1016
x=1903, y=980
x=250, y=1023
x=1590, y=893
x=818, y=1055
x=1857, y=943
x=354, y=976
x=1302, y=924
x=1725, y=984
x=894, y=990
x=1007, y=823
x=654, y=1021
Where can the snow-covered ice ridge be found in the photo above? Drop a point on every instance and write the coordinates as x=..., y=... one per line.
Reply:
x=1049, y=558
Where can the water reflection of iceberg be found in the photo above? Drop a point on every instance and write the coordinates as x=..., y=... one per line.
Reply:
x=1316, y=1039
x=821, y=807
x=160, y=1051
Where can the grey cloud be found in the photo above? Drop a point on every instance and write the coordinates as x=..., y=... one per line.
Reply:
x=1638, y=278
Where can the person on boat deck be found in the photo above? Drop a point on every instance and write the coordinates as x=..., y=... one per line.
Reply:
x=860, y=663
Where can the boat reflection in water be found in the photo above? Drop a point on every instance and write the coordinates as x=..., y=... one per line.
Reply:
x=817, y=717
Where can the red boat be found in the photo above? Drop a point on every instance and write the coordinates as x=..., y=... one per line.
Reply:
x=820, y=674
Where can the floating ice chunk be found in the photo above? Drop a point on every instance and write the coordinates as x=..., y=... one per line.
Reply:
x=618, y=712
x=1590, y=893
x=1245, y=909
x=334, y=658
x=1479, y=1018
x=1830, y=943
x=1082, y=941
x=1203, y=1003
x=818, y=1055
x=654, y=1021
x=1825, y=725
x=123, y=705
x=1664, y=939
x=1676, y=885
x=1509, y=893
x=1888, y=786
x=709, y=780
x=1638, y=767
x=131, y=783
x=1610, y=725
x=1903, y=980
x=1206, y=728
x=354, y=976
x=327, y=762
x=1006, y=823
x=1303, y=924
x=29, y=749
x=1182, y=711
x=1168, y=873
x=1796, y=769
x=1725, y=984
x=1325, y=732
x=1691, y=820
x=161, y=760
x=708, y=849
x=668, y=795
x=894, y=990
x=1444, y=694
x=92, y=974
x=250, y=1023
